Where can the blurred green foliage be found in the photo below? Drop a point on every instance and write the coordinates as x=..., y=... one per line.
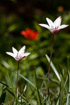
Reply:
x=11, y=24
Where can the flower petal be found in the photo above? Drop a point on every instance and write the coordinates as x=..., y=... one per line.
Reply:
x=14, y=51
x=63, y=26
x=44, y=25
x=23, y=32
x=9, y=53
x=26, y=54
x=17, y=59
x=57, y=22
x=22, y=50
x=50, y=22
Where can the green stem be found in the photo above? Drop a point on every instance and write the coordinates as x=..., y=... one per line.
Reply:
x=68, y=71
x=67, y=63
x=68, y=95
x=17, y=79
x=50, y=62
x=38, y=95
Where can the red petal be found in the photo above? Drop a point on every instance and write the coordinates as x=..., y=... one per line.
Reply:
x=30, y=34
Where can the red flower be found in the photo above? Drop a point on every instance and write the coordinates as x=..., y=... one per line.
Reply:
x=30, y=34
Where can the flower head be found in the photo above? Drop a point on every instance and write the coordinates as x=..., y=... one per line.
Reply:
x=30, y=34
x=18, y=55
x=55, y=26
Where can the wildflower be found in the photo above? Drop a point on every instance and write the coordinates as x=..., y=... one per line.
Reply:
x=55, y=26
x=30, y=34
x=18, y=55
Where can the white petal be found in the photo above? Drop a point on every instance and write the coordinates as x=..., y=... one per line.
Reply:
x=14, y=51
x=9, y=53
x=63, y=26
x=22, y=50
x=44, y=25
x=57, y=22
x=17, y=59
x=50, y=22
x=52, y=30
x=26, y=54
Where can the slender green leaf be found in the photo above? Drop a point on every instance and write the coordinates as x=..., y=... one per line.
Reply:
x=3, y=96
x=67, y=103
x=57, y=102
x=53, y=68
x=69, y=82
x=4, y=84
x=38, y=95
x=11, y=92
x=27, y=81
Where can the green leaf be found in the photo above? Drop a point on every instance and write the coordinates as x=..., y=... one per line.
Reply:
x=69, y=82
x=4, y=84
x=12, y=27
x=27, y=81
x=67, y=103
x=57, y=102
x=10, y=92
x=3, y=96
x=53, y=68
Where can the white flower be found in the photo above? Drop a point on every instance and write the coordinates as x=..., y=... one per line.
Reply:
x=55, y=26
x=18, y=55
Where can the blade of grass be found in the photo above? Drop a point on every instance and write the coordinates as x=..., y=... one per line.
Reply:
x=4, y=84
x=27, y=81
x=61, y=96
x=68, y=95
x=38, y=95
x=69, y=82
x=67, y=103
x=57, y=102
x=53, y=68
x=66, y=82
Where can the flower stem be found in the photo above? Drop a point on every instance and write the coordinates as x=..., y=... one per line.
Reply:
x=38, y=95
x=17, y=79
x=50, y=62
